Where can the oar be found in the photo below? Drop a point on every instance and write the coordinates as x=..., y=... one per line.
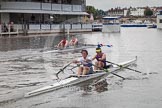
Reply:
x=118, y=75
x=98, y=45
x=62, y=69
x=124, y=67
x=74, y=67
x=110, y=72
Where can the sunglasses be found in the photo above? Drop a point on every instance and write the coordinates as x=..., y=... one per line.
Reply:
x=98, y=51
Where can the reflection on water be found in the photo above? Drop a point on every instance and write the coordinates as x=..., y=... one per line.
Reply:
x=8, y=44
x=17, y=43
x=101, y=86
x=24, y=67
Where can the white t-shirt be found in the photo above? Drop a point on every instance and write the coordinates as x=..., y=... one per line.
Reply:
x=84, y=62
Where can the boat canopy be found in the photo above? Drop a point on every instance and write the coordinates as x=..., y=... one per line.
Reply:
x=159, y=12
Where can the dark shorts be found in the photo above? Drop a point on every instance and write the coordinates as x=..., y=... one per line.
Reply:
x=90, y=71
x=108, y=66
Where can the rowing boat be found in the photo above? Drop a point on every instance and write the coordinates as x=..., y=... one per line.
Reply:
x=74, y=79
x=68, y=49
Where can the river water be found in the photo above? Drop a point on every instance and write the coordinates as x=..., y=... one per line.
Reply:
x=24, y=67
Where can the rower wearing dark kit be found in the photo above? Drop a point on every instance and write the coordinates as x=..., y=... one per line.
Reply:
x=101, y=59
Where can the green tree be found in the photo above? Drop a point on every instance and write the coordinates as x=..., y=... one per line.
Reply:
x=100, y=12
x=90, y=9
x=148, y=12
x=96, y=12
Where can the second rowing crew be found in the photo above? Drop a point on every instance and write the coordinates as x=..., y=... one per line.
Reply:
x=64, y=42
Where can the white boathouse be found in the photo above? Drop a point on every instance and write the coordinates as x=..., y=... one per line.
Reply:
x=35, y=16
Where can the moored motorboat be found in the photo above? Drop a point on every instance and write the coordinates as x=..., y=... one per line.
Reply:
x=152, y=26
x=97, y=27
x=111, y=25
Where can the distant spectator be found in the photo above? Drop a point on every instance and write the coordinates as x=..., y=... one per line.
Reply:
x=5, y=28
x=11, y=27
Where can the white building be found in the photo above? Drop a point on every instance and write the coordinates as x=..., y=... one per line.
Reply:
x=126, y=12
x=159, y=20
x=137, y=11
x=47, y=15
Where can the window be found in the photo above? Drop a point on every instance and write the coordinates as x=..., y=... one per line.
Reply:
x=160, y=21
x=160, y=12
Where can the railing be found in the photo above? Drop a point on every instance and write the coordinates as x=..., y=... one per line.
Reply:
x=59, y=26
x=40, y=6
x=40, y=28
x=55, y=28
x=9, y=30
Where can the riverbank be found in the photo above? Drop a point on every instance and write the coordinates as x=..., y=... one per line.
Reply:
x=142, y=19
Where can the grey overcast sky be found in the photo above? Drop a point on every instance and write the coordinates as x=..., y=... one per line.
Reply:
x=108, y=4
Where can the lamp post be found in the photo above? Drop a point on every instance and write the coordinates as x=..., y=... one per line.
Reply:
x=51, y=20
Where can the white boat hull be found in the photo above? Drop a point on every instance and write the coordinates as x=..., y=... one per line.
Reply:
x=73, y=79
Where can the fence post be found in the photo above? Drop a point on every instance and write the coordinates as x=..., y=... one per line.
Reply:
x=9, y=29
x=1, y=29
x=17, y=30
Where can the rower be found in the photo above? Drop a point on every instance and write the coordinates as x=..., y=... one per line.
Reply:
x=63, y=43
x=101, y=59
x=86, y=61
x=73, y=41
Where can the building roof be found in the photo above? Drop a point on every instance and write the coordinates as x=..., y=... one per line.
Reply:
x=44, y=12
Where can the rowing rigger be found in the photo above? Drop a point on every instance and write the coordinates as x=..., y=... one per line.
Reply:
x=74, y=79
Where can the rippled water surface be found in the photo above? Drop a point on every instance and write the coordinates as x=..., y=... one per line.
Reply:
x=24, y=67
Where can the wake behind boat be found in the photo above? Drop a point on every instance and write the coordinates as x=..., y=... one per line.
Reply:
x=74, y=79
